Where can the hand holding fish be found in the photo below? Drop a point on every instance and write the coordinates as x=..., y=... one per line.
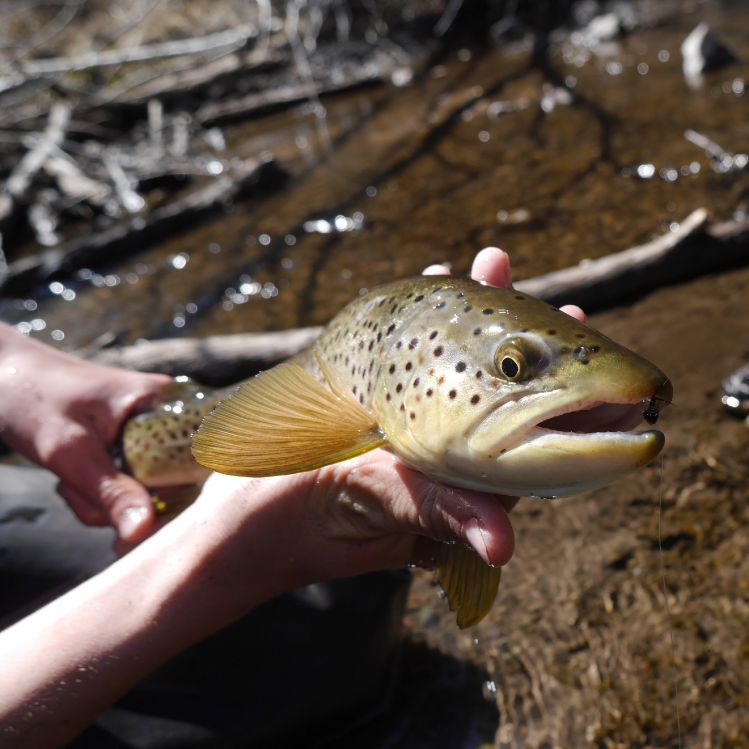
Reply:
x=510, y=398
x=65, y=413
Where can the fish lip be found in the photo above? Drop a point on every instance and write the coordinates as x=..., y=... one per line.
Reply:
x=532, y=429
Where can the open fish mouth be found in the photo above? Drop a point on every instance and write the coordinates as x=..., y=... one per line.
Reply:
x=600, y=417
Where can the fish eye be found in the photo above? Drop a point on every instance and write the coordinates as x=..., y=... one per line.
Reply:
x=520, y=358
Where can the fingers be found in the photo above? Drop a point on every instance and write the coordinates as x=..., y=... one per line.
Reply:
x=491, y=266
x=378, y=495
x=574, y=311
x=436, y=270
x=97, y=492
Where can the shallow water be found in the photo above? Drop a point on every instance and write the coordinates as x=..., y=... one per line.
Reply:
x=486, y=149
x=483, y=148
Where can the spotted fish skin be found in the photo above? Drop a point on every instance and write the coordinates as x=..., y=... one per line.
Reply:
x=156, y=445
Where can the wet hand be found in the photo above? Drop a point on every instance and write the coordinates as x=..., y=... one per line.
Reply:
x=65, y=414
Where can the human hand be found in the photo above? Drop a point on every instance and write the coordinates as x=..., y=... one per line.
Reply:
x=65, y=414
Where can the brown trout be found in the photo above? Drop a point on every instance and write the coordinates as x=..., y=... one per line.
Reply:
x=475, y=386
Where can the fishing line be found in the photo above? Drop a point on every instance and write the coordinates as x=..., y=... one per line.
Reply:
x=669, y=614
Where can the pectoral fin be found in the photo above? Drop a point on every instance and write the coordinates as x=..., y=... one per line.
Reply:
x=284, y=421
x=470, y=585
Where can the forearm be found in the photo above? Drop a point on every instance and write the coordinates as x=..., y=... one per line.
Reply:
x=67, y=662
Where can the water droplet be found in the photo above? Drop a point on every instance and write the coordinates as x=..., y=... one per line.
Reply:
x=179, y=260
x=645, y=171
x=264, y=239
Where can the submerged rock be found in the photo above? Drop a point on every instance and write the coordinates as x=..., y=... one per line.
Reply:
x=702, y=50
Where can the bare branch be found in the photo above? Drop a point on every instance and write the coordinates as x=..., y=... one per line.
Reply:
x=148, y=52
x=228, y=358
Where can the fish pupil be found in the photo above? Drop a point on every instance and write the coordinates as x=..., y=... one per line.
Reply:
x=509, y=367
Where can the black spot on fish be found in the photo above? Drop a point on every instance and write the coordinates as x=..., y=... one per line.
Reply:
x=409, y=366
x=475, y=399
x=460, y=366
x=439, y=305
x=438, y=351
x=391, y=369
x=479, y=374
x=416, y=382
x=477, y=331
x=390, y=329
x=595, y=349
x=398, y=387
x=467, y=308
x=452, y=394
x=429, y=392
x=551, y=331
x=412, y=415
x=579, y=335
x=433, y=335
x=487, y=311
x=399, y=344
x=520, y=298
x=418, y=298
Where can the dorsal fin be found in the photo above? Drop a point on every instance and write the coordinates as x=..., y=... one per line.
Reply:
x=284, y=421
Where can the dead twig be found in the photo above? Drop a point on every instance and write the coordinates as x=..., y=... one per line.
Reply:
x=679, y=254
x=215, y=360
x=128, y=236
x=147, y=53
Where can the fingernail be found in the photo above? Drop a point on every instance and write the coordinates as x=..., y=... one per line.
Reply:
x=130, y=522
x=474, y=534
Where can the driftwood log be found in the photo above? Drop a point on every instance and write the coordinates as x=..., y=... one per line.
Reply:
x=685, y=251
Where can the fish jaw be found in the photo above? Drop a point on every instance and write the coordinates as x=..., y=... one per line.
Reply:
x=557, y=464
x=577, y=445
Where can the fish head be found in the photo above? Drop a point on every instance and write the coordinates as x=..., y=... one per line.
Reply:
x=494, y=390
